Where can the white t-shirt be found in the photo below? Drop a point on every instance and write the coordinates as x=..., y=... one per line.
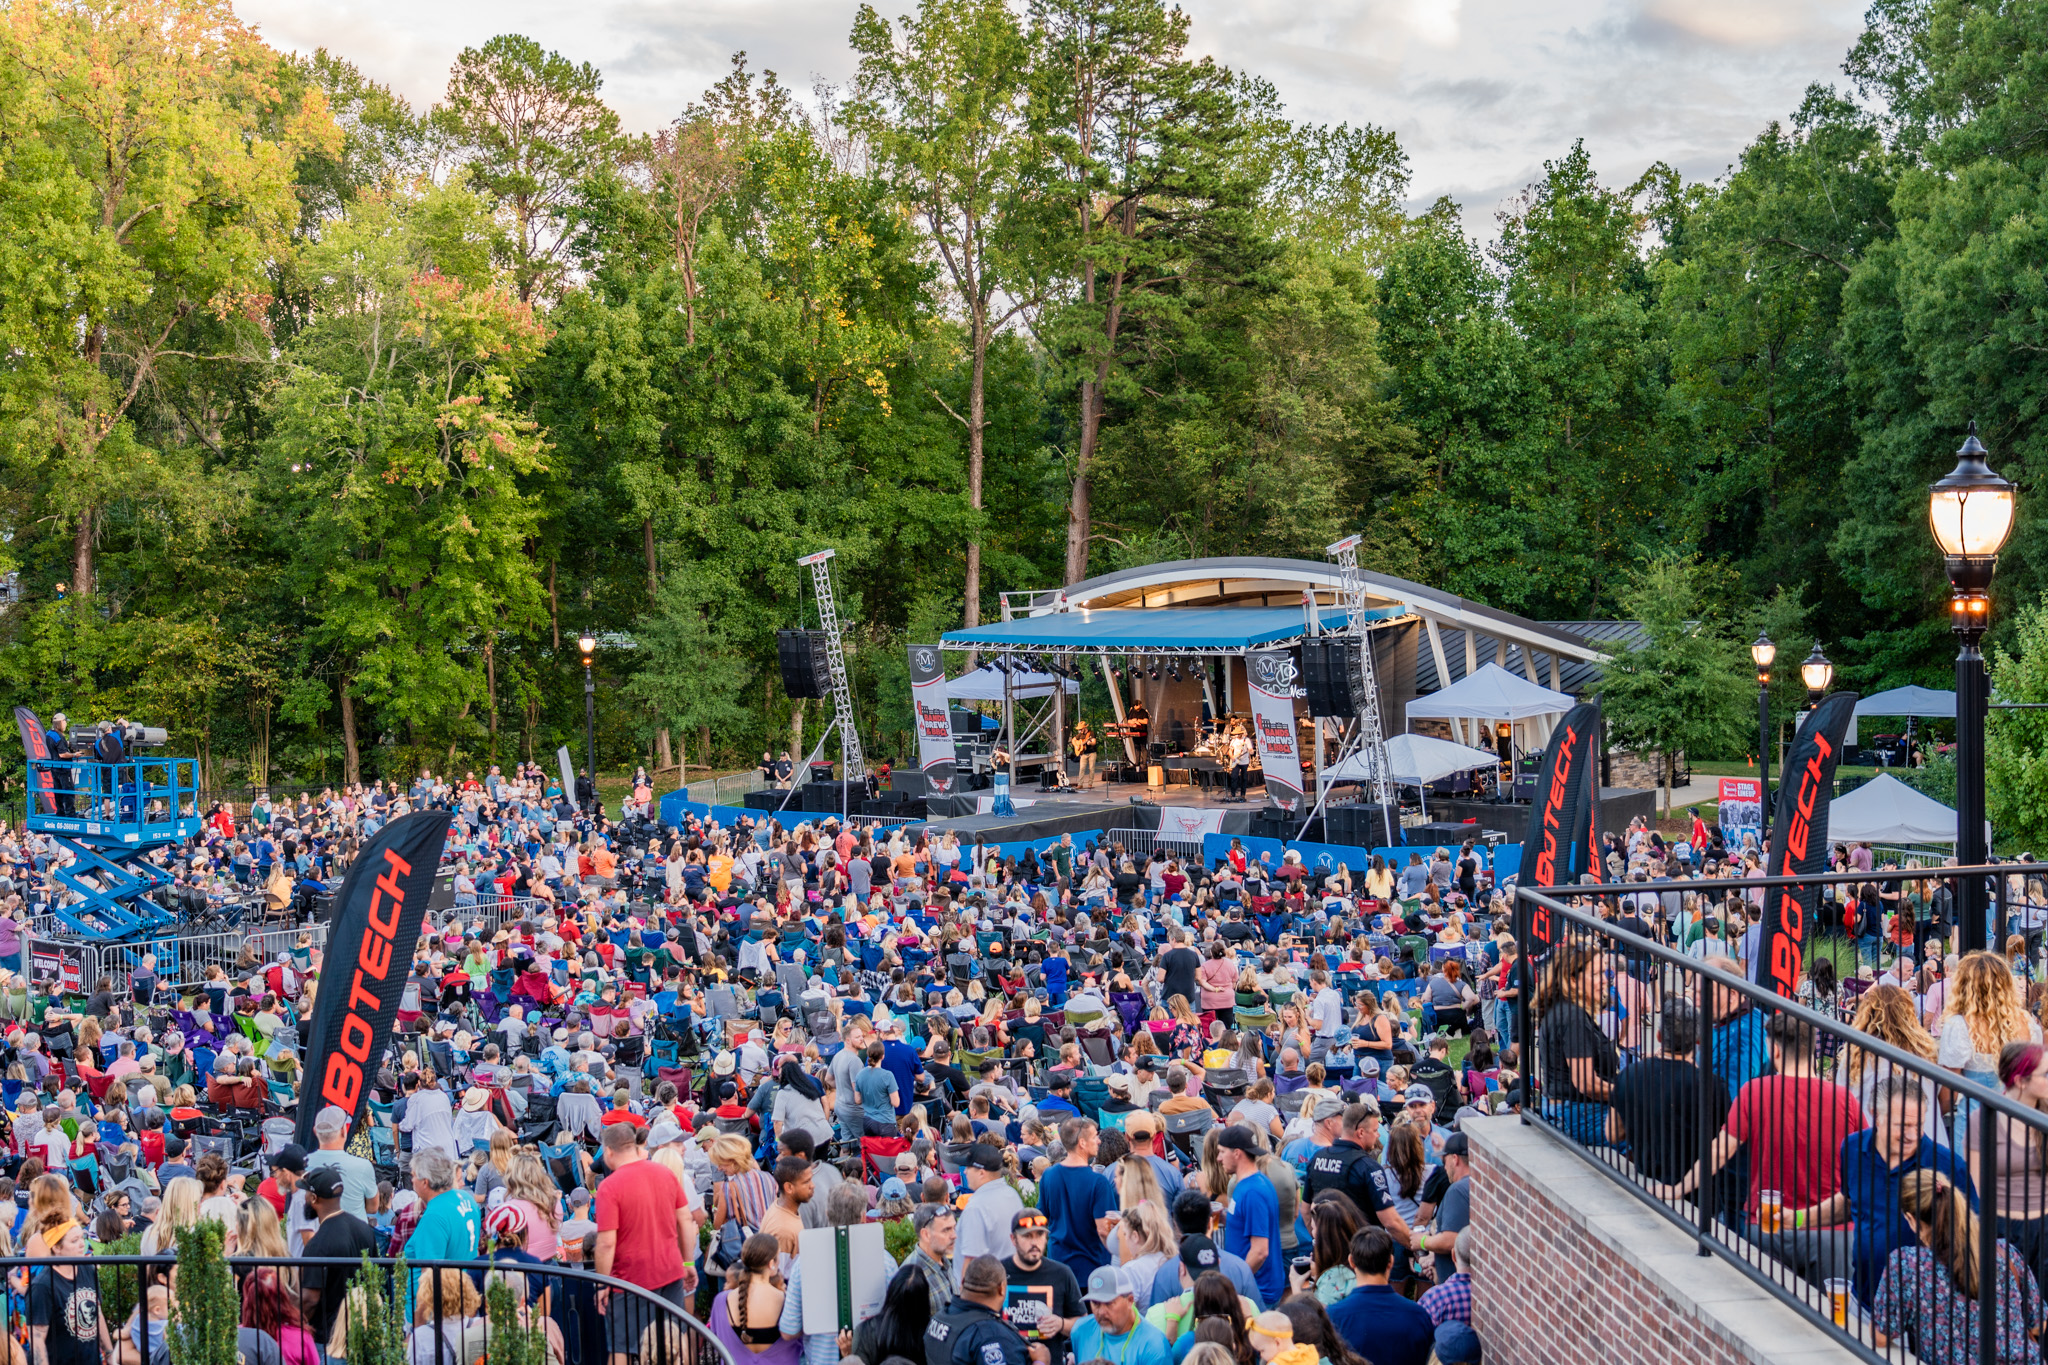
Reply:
x=1328, y=1012
x=1957, y=1051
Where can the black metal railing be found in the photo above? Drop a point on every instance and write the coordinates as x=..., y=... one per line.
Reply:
x=369, y=1309
x=1827, y=1147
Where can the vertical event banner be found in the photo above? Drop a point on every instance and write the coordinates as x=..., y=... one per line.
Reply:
x=1272, y=674
x=934, y=725
x=568, y=767
x=36, y=744
x=1799, y=842
x=1741, y=814
x=1563, y=842
x=375, y=926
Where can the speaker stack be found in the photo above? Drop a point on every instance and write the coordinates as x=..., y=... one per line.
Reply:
x=763, y=800
x=1331, y=669
x=806, y=668
x=829, y=798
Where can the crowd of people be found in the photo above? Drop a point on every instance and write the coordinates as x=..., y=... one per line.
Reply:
x=1103, y=1102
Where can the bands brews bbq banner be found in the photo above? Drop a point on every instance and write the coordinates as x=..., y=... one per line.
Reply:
x=370, y=941
x=36, y=744
x=1272, y=673
x=1799, y=841
x=1563, y=843
x=934, y=728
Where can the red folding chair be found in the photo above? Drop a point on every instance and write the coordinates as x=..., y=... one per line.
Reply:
x=875, y=1151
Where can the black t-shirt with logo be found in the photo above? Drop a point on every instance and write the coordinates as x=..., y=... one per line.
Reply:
x=1049, y=1288
x=72, y=1310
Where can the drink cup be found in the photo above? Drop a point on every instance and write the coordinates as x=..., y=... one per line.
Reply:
x=1770, y=1211
x=1838, y=1301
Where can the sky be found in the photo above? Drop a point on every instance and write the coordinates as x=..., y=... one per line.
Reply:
x=1480, y=92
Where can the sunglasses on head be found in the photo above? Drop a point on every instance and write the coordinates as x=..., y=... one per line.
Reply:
x=1027, y=1224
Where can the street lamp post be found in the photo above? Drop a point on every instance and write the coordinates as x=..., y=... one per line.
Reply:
x=588, y=643
x=1970, y=512
x=1816, y=672
x=1763, y=652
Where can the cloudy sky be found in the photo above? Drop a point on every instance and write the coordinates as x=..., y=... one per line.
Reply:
x=1481, y=92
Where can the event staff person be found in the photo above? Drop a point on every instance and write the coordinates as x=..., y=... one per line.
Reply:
x=972, y=1331
x=1347, y=1166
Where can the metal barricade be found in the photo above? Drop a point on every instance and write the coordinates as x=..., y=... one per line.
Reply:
x=1140, y=843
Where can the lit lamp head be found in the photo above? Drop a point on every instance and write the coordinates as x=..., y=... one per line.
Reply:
x=1970, y=512
x=1817, y=673
x=588, y=644
x=1763, y=652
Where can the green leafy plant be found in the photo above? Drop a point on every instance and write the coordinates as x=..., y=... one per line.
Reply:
x=120, y=1285
x=899, y=1238
x=512, y=1342
x=376, y=1316
x=205, y=1325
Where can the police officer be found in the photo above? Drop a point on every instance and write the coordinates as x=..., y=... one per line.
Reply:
x=1348, y=1165
x=972, y=1331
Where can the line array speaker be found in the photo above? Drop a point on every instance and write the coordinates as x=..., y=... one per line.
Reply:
x=1331, y=669
x=806, y=670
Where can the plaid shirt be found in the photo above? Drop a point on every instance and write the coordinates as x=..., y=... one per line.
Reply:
x=402, y=1224
x=1450, y=1301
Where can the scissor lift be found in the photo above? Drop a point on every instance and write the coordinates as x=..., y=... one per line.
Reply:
x=108, y=815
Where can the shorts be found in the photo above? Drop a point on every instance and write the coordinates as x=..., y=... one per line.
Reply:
x=628, y=1316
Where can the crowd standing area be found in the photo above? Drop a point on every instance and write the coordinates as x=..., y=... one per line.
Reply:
x=1107, y=1106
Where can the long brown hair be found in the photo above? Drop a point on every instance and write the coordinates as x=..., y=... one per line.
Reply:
x=1215, y=1299
x=757, y=1256
x=1888, y=1014
x=1947, y=1226
x=1568, y=962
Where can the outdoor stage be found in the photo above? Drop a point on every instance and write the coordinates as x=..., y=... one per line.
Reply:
x=1106, y=805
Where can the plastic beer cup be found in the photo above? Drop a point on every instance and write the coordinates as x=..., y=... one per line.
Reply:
x=1770, y=1209
x=1838, y=1301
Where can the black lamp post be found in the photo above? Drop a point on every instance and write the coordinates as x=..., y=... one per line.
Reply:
x=1763, y=652
x=1971, y=513
x=588, y=643
x=1817, y=673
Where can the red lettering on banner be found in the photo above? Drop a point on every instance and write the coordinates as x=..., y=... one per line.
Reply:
x=358, y=996
x=342, y=1085
x=356, y=1038
x=375, y=958
x=1560, y=778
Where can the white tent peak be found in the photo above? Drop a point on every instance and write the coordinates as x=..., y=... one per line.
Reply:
x=1886, y=810
x=1417, y=760
x=1490, y=693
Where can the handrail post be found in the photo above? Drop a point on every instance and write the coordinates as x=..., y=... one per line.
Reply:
x=1703, y=1192
x=1525, y=973
x=1988, y=1121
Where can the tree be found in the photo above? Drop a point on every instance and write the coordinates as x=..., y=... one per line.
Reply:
x=1685, y=689
x=688, y=673
x=533, y=126
x=1150, y=193
x=944, y=113
x=143, y=199
x=205, y=1327
x=2016, y=742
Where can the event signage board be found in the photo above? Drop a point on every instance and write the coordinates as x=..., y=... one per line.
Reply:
x=36, y=744
x=846, y=1273
x=934, y=726
x=1741, y=814
x=1564, y=836
x=1799, y=841
x=370, y=940
x=1272, y=674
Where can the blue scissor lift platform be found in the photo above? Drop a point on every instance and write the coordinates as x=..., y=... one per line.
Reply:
x=107, y=815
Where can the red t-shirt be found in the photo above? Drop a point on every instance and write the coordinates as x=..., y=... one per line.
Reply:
x=279, y=1200
x=613, y=1116
x=1793, y=1127
x=640, y=1202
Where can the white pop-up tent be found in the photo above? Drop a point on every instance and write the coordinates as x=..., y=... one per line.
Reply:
x=1491, y=693
x=1886, y=810
x=1909, y=701
x=1417, y=760
x=986, y=684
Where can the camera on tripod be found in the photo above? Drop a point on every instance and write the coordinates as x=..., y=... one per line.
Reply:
x=110, y=741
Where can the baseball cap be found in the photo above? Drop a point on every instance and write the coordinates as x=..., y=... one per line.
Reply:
x=1059, y=1082
x=1119, y=1083
x=1457, y=1344
x=1141, y=1125
x=324, y=1182
x=291, y=1157
x=1325, y=1107
x=1107, y=1284
x=1239, y=1138
x=1198, y=1253
x=1418, y=1094
x=1368, y=1066
x=1457, y=1144
x=984, y=1157
x=663, y=1133
x=894, y=1188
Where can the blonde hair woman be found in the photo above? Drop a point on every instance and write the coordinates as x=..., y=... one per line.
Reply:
x=1145, y=1238
x=1982, y=1015
x=49, y=1203
x=1888, y=1014
x=529, y=1186
x=745, y=1193
x=1137, y=1184
x=448, y=1320
x=177, y=1210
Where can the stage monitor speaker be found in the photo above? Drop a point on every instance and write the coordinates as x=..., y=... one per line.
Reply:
x=806, y=669
x=824, y=798
x=908, y=783
x=1330, y=674
x=1343, y=824
x=763, y=800
x=821, y=771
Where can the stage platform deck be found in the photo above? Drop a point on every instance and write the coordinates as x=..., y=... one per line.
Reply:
x=1107, y=805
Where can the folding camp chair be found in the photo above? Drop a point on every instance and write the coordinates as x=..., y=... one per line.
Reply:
x=878, y=1155
x=1186, y=1131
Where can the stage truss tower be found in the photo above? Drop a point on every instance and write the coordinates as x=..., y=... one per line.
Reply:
x=853, y=763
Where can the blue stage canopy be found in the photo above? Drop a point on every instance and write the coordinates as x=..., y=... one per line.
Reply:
x=1163, y=629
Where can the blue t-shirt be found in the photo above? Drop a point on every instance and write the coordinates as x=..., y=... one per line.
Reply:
x=1397, y=1330
x=1055, y=974
x=1072, y=1198
x=1144, y=1344
x=903, y=1063
x=875, y=1087
x=1255, y=1212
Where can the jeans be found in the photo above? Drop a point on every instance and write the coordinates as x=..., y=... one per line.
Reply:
x=1583, y=1121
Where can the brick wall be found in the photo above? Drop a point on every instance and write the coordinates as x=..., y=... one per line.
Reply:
x=1572, y=1270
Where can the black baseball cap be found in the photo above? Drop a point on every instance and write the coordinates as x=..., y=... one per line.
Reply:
x=1240, y=1138
x=324, y=1182
x=1457, y=1144
x=1199, y=1254
x=984, y=1157
x=291, y=1157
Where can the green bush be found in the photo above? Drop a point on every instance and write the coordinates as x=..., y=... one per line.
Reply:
x=120, y=1285
x=205, y=1326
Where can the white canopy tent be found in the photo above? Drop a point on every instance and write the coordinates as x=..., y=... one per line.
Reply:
x=1886, y=810
x=1909, y=701
x=1491, y=693
x=1417, y=760
x=986, y=684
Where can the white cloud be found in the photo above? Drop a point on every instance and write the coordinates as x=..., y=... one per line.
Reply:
x=1481, y=92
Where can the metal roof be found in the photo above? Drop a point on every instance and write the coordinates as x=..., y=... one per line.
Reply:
x=1576, y=676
